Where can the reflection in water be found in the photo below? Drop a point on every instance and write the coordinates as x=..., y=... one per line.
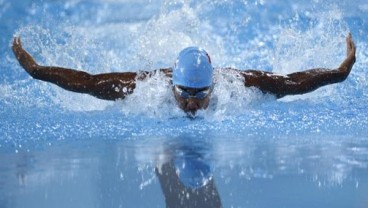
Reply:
x=185, y=177
x=21, y=167
x=186, y=172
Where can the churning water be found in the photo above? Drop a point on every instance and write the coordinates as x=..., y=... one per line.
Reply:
x=63, y=149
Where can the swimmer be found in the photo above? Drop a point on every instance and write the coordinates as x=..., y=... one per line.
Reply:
x=191, y=78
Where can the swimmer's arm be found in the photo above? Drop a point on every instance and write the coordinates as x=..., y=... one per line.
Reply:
x=301, y=82
x=110, y=86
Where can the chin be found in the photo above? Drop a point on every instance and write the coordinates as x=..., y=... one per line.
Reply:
x=191, y=114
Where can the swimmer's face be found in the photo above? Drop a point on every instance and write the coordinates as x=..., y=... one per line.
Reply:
x=192, y=99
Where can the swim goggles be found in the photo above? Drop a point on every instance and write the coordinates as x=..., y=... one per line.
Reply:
x=192, y=92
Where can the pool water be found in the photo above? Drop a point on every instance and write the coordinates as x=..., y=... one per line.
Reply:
x=64, y=149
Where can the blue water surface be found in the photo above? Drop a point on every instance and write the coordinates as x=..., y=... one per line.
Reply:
x=64, y=149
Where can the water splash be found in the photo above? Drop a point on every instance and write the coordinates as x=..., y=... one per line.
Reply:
x=153, y=98
x=308, y=39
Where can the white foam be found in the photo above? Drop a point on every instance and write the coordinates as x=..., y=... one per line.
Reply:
x=152, y=97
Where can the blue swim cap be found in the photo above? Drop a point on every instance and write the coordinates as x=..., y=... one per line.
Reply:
x=193, y=172
x=193, y=68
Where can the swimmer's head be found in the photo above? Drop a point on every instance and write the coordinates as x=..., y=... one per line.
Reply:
x=193, y=69
x=192, y=170
x=192, y=79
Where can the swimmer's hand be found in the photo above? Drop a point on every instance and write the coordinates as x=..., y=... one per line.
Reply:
x=24, y=58
x=349, y=61
x=350, y=45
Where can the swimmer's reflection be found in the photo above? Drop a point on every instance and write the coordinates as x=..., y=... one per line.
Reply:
x=186, y=179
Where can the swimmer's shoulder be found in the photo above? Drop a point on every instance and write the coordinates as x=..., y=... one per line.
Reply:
x=166, y=71
x=235, y=72
x=141, y=75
